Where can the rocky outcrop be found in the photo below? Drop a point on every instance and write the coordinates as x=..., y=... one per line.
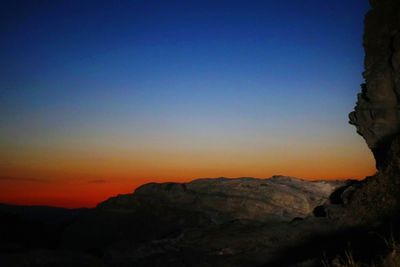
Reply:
x=377, y=118
x=223, y=199
x=377, y=113
x=376, y=199
x=206, y=222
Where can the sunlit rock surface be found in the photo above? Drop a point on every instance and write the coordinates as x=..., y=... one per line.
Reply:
x=222, y=199
x=207, y=222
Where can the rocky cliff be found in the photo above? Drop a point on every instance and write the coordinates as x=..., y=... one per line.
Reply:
x=377, y=118
x=376, y=114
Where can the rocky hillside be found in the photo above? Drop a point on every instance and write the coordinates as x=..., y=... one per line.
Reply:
x=211, y=219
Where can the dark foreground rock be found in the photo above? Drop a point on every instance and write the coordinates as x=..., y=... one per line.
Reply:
x=376, y=114
x=207, y=222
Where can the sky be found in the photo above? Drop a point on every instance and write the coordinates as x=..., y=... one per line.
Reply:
x=99, y=97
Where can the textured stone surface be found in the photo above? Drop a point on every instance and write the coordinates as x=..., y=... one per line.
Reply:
x=222, y=199
x=376, y=114
x=207, y=222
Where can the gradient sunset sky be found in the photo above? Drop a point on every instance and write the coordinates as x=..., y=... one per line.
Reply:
x=98, y=97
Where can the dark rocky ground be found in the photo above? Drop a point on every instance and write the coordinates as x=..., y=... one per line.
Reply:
x=207, y=222
x=281, y=221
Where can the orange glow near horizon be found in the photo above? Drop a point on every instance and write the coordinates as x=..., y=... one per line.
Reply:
x=98, y=99
x=84, y=178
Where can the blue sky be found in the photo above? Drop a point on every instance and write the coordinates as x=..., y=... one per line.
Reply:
x=162, y=78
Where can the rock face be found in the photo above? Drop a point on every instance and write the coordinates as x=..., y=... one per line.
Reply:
x=222, y=199
x=377, y=113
